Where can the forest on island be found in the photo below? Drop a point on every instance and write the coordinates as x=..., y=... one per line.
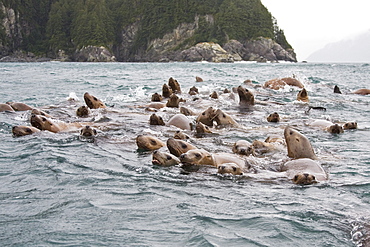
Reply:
x=46, y=26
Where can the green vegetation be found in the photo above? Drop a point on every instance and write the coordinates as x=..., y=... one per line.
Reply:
x=51, y=25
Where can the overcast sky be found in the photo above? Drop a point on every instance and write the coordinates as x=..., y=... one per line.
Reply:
x=310, y=25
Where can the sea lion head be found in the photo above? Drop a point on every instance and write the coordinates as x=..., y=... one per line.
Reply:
x=148, y=143
x=273, y=117
x=246, y=97
x=21, y=130
x=87, y=131
x=304, y=179
x=178, y=147
x=350, y=125
x=43, y=123
x=164, y=159
x=229, y=168
x=156, y=120
x=92, y=102
x=303, y=95
x=82, y=111
x=298, y=145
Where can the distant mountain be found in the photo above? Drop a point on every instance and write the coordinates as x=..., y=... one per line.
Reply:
x=356, y=49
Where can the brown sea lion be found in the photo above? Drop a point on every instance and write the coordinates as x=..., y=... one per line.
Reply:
x=148, y=143
x=156, y=97
x=83, y=111
x=174, y=85
x=180, y=135
x=164, y=159
x=6, y=107
x=363, y=91
x=92, y=102
x=187, y=111
x=207, y=117
x=17, y=106
x=246, y=97
x=156, y=120
x=173, y=101
x=44, y=123
x=275, y=84
x=88, y=131
x=166, y=91
x=214, y=95
x=335, y=129
x=298, y=145
x=223, y=119
x=198, y=79
x=21, y=130
x=201, y=129
x=193, y=91
x=304, y=171
x=178, y=147
x=303, y=95
x=350, y=125
x=39, y=112
x=243, y=147
x=273, y=117
x=292, y=82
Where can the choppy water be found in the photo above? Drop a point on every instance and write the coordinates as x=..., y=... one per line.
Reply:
x=57, y=189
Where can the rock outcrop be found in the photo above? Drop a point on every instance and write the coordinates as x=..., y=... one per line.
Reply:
x=93, y=54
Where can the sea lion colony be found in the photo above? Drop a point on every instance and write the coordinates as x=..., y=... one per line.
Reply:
x=187, y=147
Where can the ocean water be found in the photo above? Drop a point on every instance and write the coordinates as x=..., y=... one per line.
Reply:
x=60, y=189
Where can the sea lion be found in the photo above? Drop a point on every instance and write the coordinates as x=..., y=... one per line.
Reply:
x=335, y=129
x=178, y=147
x=198, y=79
x=363, y=91
x=275, y=84
x=337, y=90
x=303, y=95
x=83, y=111
x=292, y=82
x=201, y=129
x=17, y=106
x=92, y=102
x=203, y=157
x=273, y=117
x=304, y=171
x=6, y=107
x=156, y=97
x=262, y=147
x=230, y=168
x=173, y=101
x=21, y=130
x=350, y=125
x=39, y=112
x=186, y=111
x=223, y=119
x=214, y=95
x=207, y=117
x=87, y=131
x=164, y=159
x=193, y=91
x=44, y=123
x=243, y=147
x=174, y=85
x=148, y=143
x=156, y=120
x=180, y=135
x=298, y=145
x=166, y=91
x=246, y=97
x=180, y=121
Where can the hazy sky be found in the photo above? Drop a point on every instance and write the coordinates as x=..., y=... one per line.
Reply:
x=310, y=25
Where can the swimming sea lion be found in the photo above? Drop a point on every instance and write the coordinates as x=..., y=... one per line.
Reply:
x=198, y=79
x=87, y=131
x=186, y=111
x=174, y=85
x=303, y=95
x=92, y=102
x=275, y=84
x=207, y=116
x=246, y=97
x=6, y=107
x=82, y=111
x=178, y=147
x=298, y=145
x=292, y=82
x=173, y=101
x=156, y=97
x=39, y=112
x=21, y=130
x=180, y=135
x=148, y=143
x=156, y=120
x=201, y=129
x=193, y=91
x=335, y=129
x=223, y=119
x=164, y=159
x=304, y=171
x=214, y=95
x=230, y=168
x=350, y=125
x=243, y=147
x=166, y=91
x=273, y=117
x=363, y=91
x=17, y=106
x=44, y=123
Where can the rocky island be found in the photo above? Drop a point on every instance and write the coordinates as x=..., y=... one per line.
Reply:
x=140, y=31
